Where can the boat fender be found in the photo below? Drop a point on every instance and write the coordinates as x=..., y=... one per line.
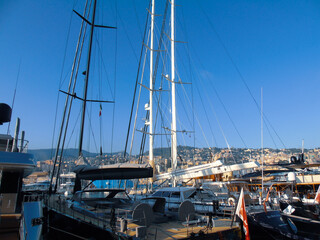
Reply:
x=186, y=211
x=143, y=214
x=5, y=113
x=289, y=210
x=293, y=159
x=231, y=201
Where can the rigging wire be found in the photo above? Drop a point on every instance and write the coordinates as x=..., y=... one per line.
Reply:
x=191, y=80
x=136, y=84
x=89, y=115
x=100, y=59
x=72, y=132
x=220, y=102
x=105, y=68
x=136, y=15
x=60, y=84
x=127, y=35
x=238, y=71
x=208, y=119
x=220, y=126
x=182, y=84
x=164, y=70
x=223, y=105
x=189, y=102
x=75, y=81
x=156, y=65
x=189, y=61
x=138, y=103
x=154, y=76
x=14, y=94
x=203, y=133
x=186, y=95
x=77, y=56
x=115, y=77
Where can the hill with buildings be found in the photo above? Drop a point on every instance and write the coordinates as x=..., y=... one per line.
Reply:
x=187, y=156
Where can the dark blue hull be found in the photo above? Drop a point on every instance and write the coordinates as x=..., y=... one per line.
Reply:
x=270, y=225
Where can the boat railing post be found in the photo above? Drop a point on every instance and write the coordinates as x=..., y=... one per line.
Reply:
x=15, y=139
x=64, y=205
x=155, y=235
x=59, y=202
x=188, y=224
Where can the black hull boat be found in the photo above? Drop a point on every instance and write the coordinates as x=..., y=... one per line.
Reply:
x=300, y=209
x=304, y=217
x=270, y=225
x=306, y=227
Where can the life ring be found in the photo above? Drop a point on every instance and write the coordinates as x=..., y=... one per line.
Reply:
x=231, y=201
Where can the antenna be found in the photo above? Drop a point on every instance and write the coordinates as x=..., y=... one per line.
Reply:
x=262, y=138
x=14, y=95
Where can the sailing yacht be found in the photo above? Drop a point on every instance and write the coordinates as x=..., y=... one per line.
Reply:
x=110, y=213
x=89, y=212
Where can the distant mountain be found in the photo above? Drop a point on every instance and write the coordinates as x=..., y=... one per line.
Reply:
x=46, y=154
x=183, y=151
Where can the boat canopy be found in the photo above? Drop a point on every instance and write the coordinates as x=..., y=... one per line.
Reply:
x=114, y=171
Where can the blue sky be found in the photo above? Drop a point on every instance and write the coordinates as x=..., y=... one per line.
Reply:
x=275, y=45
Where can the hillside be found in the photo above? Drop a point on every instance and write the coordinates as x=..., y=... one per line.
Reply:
x=45, y=154
x=183, y=152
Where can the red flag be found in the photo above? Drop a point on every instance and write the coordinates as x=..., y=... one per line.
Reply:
x=317, y=198
x=241, y=212
x=100, y=110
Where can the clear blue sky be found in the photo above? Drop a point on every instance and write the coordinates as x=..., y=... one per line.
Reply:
x=274, y=44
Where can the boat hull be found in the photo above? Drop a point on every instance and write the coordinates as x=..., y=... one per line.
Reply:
x=62, y=226
x=306, y=226
x=269, y=225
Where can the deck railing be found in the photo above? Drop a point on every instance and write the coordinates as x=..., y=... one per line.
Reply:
x=102, y=218
x=7, y=146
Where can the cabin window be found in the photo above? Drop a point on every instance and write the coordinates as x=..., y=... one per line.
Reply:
x=175, y=195
x=157, y=194
x=166, y=194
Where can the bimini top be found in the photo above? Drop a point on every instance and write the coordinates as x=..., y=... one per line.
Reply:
x=114, y=171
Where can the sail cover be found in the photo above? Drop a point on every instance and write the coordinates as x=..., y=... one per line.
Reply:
x=114, y=171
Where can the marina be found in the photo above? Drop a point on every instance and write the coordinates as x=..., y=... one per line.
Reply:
x=170, y=180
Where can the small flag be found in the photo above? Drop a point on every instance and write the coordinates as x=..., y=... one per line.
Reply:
x=241, y=212
x=100, y=110
x=317, y=198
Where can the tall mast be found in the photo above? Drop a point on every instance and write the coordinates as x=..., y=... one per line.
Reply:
x=262, y=160
x=151, y=160
x=86, y=80
x=173, y=92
